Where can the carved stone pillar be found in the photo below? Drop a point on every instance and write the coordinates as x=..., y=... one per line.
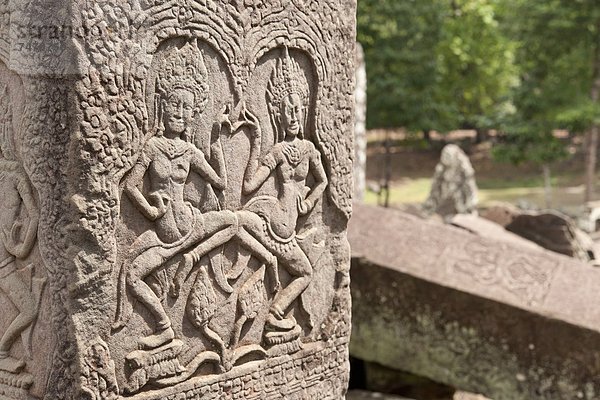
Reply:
x=360, y=126
x=176, y=183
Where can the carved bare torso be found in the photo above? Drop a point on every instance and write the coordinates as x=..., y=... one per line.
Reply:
x=18, y=219
x=168, y=172
x=293, y=161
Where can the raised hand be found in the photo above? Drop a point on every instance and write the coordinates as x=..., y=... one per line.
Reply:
x=249, y=120
x=224, y=120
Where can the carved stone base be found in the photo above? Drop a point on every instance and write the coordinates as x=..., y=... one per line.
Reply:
x=152, y=365
x=15, y=386
x=318, y=371
x=288, y=347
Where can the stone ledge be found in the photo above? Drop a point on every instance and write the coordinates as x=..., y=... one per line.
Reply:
x=520, y=276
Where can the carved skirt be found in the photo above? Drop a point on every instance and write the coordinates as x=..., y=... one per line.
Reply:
x=264, y=206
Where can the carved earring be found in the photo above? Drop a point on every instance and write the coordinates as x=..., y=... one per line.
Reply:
x=280, y=131
x=160, y=129
x=305, y=120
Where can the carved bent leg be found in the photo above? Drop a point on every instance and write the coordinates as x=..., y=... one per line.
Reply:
x=142, y=266
x=20, y=295
x=298, y=266
x=294, y=260
x=219, y=228
x=252, y=223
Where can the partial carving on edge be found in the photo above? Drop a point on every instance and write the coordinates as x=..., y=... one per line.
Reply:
x=19, y=219
x=99, y=381
x=525, y=276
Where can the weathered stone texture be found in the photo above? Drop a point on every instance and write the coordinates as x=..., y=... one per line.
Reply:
x=492, y=317
x=553, y=231
x=177, y=178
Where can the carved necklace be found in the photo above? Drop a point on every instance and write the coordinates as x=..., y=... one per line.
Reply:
x=292, y=153
x=171, y=148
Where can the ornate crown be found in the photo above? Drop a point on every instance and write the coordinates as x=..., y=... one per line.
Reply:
x=287, y=78
x=184, y=69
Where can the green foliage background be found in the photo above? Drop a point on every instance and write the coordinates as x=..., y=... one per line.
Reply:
x=523, y=67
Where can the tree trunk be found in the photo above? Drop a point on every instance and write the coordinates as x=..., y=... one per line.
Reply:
x=388, y=170
x=592, y=134
x=547, y=185
x=384, y=187
x=480, y=135
x=427, y=136
x=591, y=153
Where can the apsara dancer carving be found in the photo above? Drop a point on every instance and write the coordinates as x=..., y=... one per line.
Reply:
x=18, y=232
x=273, y=219
x=167, y=160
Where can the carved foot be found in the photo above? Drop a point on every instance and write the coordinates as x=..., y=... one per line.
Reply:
x=282, y=334
x=276, y=323
x=10, y=364
x=154, y=365
x=157, y=339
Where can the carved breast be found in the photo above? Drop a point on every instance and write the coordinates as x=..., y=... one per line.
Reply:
x=166, y=170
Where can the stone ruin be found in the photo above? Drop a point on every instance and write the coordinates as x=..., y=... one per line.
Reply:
x=360, y=126
x=176, y=179
x=492, y=315
x=549, y=229
x=453, y=190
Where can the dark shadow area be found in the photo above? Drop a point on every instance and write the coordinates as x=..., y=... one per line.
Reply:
x=377, y=378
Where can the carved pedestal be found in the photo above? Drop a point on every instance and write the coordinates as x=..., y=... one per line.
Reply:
x=176, y=180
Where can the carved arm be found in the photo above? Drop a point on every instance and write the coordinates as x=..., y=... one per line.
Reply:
x=26, y=194
x=206, y=171
x=320, y=176
x=254, y=175
x=137, y=197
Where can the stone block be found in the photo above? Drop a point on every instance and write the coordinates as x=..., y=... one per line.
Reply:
x=483, y=315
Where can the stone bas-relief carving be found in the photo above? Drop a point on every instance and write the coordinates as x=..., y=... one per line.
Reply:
x=266, y=225
x=175, y=210
x=214, y=143
x=19, y=218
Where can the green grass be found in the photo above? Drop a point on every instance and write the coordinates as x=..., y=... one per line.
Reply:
x=527, y=188
x=415, y=191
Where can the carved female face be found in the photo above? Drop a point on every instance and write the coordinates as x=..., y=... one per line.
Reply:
x=292, y=115
x=178, y=111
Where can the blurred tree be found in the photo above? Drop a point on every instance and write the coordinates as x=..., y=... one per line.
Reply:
x=475, y=65
x=558, y=56
x=434, y=64
x=399, y=38
x=530, y=141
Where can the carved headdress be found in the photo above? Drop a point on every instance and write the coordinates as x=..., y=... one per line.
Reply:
x=287, y=78
x=182, y=68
